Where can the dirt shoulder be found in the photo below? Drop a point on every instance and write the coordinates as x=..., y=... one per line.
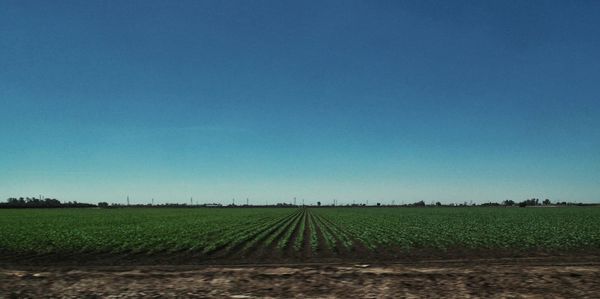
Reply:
x=535, y=277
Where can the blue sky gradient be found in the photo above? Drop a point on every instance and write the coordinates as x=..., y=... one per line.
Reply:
x=353, y=100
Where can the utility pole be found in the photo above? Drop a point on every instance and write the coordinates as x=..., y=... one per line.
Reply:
x=127, y=199
x=191, y=201
x=234, y=201
x=294, y=201
x=303, y=202
x=153, y=201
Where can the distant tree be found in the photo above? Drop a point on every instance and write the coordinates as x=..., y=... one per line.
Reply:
x=103, y=205
x=438, y=204
x=509, y=202
x=530, y=202
x=32, y=202
x=419, y=204
x=546, y=202
x=318, y=203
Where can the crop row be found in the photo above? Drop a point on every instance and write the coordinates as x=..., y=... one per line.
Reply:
x=296, y=232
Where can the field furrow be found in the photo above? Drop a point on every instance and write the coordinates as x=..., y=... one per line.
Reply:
x=247, y=242
x=324, y=245
x=286, y=244
x=305, y=249
x=267, y=245
x=349, y=244
x=299, y=236
x=333, y=237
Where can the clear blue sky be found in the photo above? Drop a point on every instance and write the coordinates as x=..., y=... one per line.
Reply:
x=354, y=100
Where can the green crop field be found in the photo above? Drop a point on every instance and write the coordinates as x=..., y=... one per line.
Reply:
x=267, y=234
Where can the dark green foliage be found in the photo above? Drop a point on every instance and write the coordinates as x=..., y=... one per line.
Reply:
x=204, y=230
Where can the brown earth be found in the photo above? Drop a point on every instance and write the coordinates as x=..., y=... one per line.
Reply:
x=574, y=277
x=255, y=267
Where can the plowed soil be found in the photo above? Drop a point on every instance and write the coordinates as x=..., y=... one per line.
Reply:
x=575, y=277
x=265, y=264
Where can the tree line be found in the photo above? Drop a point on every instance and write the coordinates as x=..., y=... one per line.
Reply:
x=507, y=203
x=33, y=202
